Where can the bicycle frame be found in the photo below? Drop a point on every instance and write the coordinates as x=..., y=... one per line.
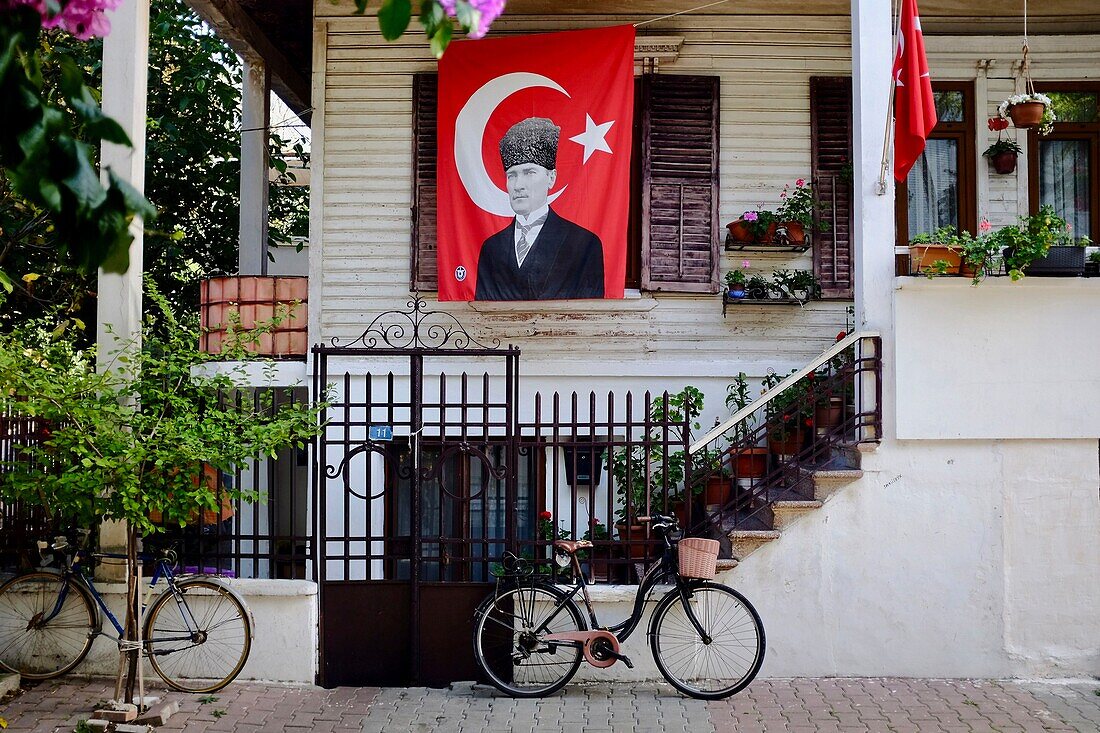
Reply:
x=664, y=568
x=161, y=569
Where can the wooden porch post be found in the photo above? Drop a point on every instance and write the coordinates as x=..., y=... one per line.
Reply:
x=125, y=82
x=252, y=252
x=873, y=210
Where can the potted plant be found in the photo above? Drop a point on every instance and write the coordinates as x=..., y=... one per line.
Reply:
x=1002, y=155
x=736, y=282
x=1029, y=110
x=748, y=461
x=1092, y=264
x=753, y=226
x=1041, y=245
x=795, y=214
x=757, y=287
x=787, y=416
x=978, y=253
x=803, y=285
x=937, y=253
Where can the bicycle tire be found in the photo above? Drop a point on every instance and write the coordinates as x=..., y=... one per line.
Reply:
x=700, y=669
x=214, y=653
x=497, y=658
x=60, y=644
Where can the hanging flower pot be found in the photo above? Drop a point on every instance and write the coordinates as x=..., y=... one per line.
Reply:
x=1004, y=162
x=740, y=231
x=1026, y=115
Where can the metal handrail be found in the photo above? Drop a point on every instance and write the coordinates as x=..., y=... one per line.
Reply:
x=834, y=350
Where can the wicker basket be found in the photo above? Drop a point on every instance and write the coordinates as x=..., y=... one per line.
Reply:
x=698, y=557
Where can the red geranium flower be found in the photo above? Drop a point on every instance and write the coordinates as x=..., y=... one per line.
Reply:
x=545, y=515
x=841, y=336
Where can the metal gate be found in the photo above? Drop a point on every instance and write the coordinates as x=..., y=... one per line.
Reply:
x=416, y=481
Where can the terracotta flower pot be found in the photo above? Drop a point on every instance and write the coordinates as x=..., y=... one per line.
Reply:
x=750, y=463
x=717, y=491
x=829, y=415
x=769, y=235
x=1026, y=115
x=795, y=233
x=636, y=535
x=788, y=444
x=740, y=231
x=921, y=257
x=968, y=269
x=1003, y=162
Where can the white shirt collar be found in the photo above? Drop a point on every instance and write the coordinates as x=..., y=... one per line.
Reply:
x=533, y=216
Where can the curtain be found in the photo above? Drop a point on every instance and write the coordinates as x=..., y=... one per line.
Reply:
x=933, y=186
x=1064, y=181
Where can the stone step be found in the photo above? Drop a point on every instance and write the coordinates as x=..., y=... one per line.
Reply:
x=785, y=513
x=726, y=563
x=827, y=482
x=745, y=541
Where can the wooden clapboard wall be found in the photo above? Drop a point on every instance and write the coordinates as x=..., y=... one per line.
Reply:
x=370, y=212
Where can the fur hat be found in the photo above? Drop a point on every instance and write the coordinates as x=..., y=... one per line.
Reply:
x=534, y=140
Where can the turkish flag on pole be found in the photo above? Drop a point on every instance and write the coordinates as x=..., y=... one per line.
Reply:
x=914, y=105
x=534, y=136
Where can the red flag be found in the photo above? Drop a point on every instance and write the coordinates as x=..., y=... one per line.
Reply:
x=914, y=105
x=534, y=165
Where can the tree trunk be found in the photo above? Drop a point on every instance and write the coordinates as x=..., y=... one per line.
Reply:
x=130, y=654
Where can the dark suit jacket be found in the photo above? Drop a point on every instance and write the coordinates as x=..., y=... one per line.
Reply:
x=566, y=261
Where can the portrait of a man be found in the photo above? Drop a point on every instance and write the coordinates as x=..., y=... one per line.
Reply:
x=539, y=255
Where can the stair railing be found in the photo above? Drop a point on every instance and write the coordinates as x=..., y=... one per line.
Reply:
x=767, y=450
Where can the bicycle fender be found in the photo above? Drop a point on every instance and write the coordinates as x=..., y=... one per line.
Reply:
x=221, y=583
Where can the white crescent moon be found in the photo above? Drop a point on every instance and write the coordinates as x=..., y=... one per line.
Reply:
x=470, y=131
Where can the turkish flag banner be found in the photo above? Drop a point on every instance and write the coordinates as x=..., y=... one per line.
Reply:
x=534, y=166
x=914, y=105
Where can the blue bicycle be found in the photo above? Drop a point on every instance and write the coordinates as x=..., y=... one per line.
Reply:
x=197, y=632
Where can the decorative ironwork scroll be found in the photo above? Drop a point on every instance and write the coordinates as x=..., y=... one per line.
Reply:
x=417, y=327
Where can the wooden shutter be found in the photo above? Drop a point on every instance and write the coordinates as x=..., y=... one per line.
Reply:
x=680, y=183
x=424, y=254
x=831, y=165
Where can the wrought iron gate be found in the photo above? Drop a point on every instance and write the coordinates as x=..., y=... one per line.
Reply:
x=416, y=482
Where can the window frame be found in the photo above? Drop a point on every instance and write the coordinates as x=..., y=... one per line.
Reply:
x=964, y=133
x=1088, y=131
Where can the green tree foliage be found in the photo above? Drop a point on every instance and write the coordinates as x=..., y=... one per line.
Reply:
x=120, y=444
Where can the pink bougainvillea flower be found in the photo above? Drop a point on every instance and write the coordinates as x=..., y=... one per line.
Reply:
x=985, y=226
x=488, y=11
x=750, y=216
x=83, y=18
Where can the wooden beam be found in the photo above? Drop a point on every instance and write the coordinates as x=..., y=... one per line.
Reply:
x=235, y=27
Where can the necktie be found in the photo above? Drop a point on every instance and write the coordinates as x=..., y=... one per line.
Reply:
x=523, y=246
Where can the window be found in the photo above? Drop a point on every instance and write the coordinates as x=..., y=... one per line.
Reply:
x=674, y=229
x=1064, y=171
x=939, y=190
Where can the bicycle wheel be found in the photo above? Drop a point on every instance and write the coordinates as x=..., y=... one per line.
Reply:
x=707, y=670
x=509, y=643
x=201, y=642
x=36, y=642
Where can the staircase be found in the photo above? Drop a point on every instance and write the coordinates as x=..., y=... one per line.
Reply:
x=816, y=422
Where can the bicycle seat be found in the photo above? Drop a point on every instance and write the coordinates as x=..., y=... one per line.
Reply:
x=571, y=546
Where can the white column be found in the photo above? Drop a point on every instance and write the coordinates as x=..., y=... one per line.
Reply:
x=118, y=305
x=125, y=81
x=252, y=254
x=873, y=212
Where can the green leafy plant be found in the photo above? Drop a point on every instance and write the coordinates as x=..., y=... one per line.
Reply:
x=644, y=475
x=737, y=398
x=1003, y=146
x=759, y=220
x=757, y=287
x=785, y=283
x=789, y=411
x=1031, y=240
x=1095, y=257
x=439, y=19
x=798, y=205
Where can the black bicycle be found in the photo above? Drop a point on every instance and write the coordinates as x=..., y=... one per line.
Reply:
x=530, y=636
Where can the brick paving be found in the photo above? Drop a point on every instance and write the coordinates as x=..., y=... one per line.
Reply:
x=798, y=705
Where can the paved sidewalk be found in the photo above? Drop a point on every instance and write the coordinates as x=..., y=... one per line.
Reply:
x=809, y=705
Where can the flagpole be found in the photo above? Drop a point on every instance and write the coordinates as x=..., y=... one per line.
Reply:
x=881, y=189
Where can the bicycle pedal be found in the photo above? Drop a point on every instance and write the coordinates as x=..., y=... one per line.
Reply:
x=622, y=658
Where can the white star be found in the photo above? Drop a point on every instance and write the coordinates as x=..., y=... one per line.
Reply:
x=593, y=137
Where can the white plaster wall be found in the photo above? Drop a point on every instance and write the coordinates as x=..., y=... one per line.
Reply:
x=947, y=559
x=284, y=648
x=1000, y=360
